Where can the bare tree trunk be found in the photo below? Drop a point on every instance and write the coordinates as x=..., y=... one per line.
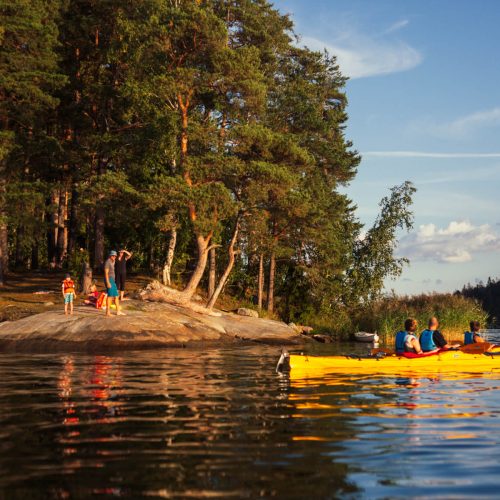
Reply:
x=2, y=255
x=260, y=286
x=1, y=268
x=53, y=228
x=34, y=255
x=270, y=289
x=167, y=268
x=99, y=236
x=73, y=221
x=229, y=267
x=86, y=279
x=99, y=222
x=194, y=281
x=62, y=232
x=4, y=244
x=19, y=253
x=211, y=272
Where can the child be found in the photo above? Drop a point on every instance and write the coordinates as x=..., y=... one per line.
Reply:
x=69, y=294
x=95, y=298
x=92, y=297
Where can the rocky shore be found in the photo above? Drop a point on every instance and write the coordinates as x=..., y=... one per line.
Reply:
x=145, y=325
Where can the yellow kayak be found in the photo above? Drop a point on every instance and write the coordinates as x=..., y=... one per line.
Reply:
x=303, y=366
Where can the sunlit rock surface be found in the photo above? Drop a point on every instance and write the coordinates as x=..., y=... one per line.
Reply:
x=145, y=325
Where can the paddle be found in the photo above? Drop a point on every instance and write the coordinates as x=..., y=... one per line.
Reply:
x=479, y=348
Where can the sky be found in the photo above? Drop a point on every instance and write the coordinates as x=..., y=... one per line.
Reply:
x=424, y=106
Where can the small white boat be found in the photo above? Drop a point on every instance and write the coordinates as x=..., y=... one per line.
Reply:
x=366, y=337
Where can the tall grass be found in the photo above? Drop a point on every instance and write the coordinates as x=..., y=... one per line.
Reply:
x=387, y=316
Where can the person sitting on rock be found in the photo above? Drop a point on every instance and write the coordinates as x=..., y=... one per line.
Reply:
x=93, y=296
x=473, y=336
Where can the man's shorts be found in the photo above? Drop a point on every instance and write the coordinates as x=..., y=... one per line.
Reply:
x=68, y=297
x=112, y=291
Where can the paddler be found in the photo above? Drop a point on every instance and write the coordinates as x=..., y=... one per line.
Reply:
x=432, y=339
x=473, y=336
x=406, y=341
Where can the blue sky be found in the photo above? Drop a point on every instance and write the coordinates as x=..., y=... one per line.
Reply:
x=424, y=105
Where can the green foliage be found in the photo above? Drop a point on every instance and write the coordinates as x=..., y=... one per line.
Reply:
x=488, y=295
x=374, y=258
x=126, y=120
x=387, y=315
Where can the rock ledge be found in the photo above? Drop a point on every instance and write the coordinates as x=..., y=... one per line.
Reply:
x=146, y=325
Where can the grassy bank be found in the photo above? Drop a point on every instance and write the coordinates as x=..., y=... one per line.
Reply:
x=387, y=316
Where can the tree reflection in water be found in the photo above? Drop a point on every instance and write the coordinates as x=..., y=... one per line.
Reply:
x=220, y=422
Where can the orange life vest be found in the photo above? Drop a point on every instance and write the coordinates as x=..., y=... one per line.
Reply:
x=68, y=286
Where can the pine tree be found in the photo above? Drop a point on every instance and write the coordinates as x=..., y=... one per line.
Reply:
x=29, y=77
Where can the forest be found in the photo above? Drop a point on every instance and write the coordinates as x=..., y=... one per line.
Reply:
x=488, y=295
x=199, y=134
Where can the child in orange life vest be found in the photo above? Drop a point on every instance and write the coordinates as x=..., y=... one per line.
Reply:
x=69, y=294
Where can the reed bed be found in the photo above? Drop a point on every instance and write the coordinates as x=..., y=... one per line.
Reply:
x=387, y=315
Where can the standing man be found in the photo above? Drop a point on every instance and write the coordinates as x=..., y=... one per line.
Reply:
x=109, y=283
x=121, y=270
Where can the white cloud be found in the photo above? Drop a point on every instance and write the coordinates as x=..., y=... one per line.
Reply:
x=361, y=55
x=456, y=243
x=463, y=127
x=423, y=154
x=396, y=26
x=470, y=123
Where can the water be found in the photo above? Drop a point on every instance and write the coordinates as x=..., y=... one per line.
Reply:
x=219, y=423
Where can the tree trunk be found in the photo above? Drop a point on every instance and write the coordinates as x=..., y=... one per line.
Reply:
x=86, y=278
x=34, y=256
x=260, y=286
x=201, y=264
x=1, y=268
x=229, y=267
x=62, y=232
x=270, y=290
x=99, y=222
x=212, y=262
x=73, y=222
x=53, y=227
x=167, y=268
x=99, y=237
x=19, y=246
x=4, y=243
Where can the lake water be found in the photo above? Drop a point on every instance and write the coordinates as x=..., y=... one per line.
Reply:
x=219, y=423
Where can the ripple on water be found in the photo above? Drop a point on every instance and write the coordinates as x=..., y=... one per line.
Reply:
x=220, y=423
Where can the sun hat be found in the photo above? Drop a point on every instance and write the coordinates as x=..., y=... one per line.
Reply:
x=113, y=253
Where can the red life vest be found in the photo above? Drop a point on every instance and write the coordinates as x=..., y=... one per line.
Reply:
x=68, y=286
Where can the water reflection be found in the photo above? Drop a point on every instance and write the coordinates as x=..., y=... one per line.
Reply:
x=409, y=432
x=221, y=423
